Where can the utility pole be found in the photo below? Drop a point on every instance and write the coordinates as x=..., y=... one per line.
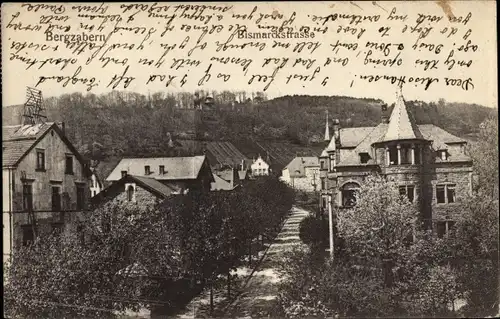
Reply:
x=330, y=224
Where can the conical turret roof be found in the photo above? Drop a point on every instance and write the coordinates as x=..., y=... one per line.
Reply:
x=401, y=125
x=327, y=128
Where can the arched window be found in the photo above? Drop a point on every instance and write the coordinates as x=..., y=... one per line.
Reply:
x=130, y=193
x=350, y=192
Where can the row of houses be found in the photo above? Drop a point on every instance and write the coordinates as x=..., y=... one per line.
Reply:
x=47, y=183
x=48, y=186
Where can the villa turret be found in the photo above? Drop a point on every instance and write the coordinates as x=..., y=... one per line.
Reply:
x=429, y=164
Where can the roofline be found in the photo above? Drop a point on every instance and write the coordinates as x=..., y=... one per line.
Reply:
x=404, y=140
x=157, y=157
x=64, y=139
x=137, y=181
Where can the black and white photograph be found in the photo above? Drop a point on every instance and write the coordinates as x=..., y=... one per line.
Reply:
x=333, y=159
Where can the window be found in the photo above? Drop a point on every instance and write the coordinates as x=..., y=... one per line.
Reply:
x=444, y=228
x=40, y=160
x=130, y=193
x=364, y=158
x=349, y=194
x=69, y=164
x=323, y=183
x=408, y=191
x=94, y=193
x=323, y=202
x=322, y=164
x=405, y=154
x=28, y=235
x=147, y=170
x=332, y=163
x=80, y=197
x=450, y=193
x=56, y=198
x=27, y=197
x=440, y=191
x=124, y=173
x=162, y=169
x=444, y=155
x=417, y=155
x=393, y=156
x=445, y=193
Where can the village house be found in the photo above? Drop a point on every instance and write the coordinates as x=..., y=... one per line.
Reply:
x=135, y=192
x=45, y=183
x=429, y=165
x=183, y=174
x=302, y=174
x=259, y=167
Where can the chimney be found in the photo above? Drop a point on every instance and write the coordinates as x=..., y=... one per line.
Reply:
x=385, y=115
x=336, y=129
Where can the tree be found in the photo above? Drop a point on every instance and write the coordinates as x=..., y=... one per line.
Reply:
x=485, y=157
x=474, y=247
x=389, y=266
x=87, y=274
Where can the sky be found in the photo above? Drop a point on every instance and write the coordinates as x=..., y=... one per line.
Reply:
x=340, y=80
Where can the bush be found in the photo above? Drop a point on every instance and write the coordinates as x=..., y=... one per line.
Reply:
x=313, y=231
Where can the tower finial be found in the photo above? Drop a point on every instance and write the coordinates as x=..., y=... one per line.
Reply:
x=327, y=128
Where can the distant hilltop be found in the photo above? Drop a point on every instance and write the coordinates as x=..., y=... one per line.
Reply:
x=132, y=122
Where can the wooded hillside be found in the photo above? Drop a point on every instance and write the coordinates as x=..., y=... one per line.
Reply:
x=130, y=124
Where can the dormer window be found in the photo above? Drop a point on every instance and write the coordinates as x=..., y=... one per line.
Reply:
x=443, y=154
x=124, y=173
x=147, y=170
x=364, y=158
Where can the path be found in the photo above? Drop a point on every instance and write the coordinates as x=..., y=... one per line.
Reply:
x=258, y=297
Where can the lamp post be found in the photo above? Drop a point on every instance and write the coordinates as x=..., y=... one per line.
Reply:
x=330, y=224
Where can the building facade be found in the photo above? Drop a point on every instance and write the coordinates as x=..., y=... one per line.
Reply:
x=429, y=165
x=259, y=167
x=45, y=183
x=302, y=174
x=135, y=192
x=185, y=174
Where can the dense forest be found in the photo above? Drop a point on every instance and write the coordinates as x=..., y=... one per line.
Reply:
x=130, y=124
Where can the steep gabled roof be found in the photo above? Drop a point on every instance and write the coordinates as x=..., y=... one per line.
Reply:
x=218, y=152
x=402, y=125
x=176, y=168
x=296, y=167
x=364, y=147
x=19, y=140
x=350, y=137
x=152, y=185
